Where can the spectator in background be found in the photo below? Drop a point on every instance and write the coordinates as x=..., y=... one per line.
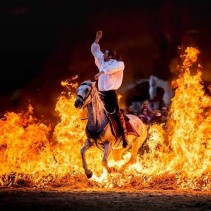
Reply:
x=144, y=117
x=157, y=116
x=164, y=114
x=136, y=106
x=146, y=112
x=131, y=110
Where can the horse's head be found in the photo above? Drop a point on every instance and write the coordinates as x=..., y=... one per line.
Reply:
x=83, y=97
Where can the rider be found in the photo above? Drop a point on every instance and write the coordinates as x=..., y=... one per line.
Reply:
x=109, y=78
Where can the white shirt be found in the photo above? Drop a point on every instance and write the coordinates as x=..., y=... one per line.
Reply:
x=113, y=70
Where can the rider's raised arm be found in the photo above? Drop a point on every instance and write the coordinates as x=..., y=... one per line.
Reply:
x=95, y=49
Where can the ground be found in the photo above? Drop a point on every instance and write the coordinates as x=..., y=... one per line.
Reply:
x=68, y=199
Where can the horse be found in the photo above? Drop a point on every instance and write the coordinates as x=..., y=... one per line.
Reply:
x=154, y=83
x=100, y=132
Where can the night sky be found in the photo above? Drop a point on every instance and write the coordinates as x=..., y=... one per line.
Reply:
x=46, y=41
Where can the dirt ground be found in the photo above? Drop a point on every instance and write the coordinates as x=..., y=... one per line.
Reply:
x=66, y=199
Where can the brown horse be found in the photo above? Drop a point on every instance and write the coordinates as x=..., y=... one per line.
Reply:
x=99, y=130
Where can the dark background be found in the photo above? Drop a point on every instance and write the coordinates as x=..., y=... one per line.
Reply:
x=45, y=41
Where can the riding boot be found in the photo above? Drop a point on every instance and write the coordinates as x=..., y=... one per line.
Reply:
x=123, y=128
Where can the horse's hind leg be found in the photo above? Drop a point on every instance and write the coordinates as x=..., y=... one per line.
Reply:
x=137, y=143
x=117, y=154
x=86, y=146
x=135, y=147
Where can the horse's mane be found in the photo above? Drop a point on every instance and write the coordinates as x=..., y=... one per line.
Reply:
x=97, y=103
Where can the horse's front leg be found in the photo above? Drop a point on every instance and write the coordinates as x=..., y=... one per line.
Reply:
x=107, y=152
x=86, y=146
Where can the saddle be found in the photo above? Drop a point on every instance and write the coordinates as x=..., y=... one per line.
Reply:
x=115, y=128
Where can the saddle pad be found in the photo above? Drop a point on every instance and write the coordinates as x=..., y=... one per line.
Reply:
x=115, y=128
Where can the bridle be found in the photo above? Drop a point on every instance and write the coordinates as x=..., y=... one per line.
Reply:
x=84, y=99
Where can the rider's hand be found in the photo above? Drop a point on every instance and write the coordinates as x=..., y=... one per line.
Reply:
x=99, y=35
x=98, y=75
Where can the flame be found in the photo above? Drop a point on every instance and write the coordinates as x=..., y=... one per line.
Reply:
x=176, y=155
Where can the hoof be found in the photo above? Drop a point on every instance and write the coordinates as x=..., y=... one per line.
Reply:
x=111, y=169
x=114, y=170
x=108, y=170
x=88, y=174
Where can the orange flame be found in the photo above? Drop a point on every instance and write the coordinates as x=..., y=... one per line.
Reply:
x=176, y=155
